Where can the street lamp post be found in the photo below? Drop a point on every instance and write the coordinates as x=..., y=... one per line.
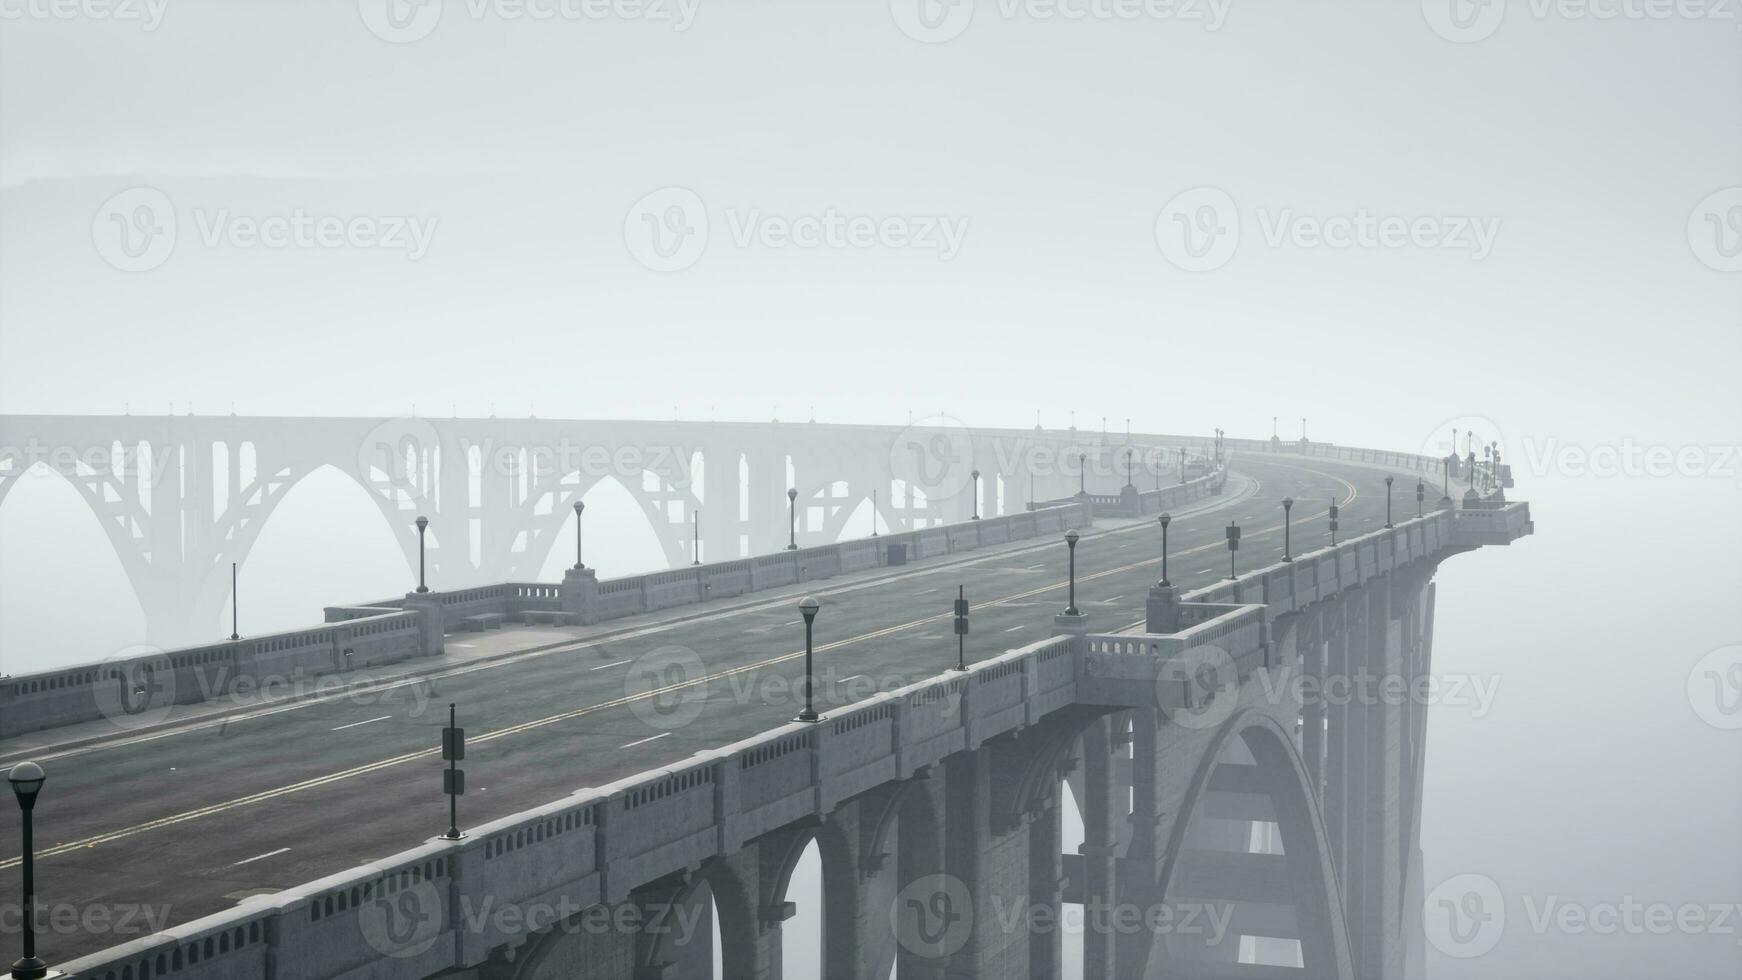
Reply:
x=1071, y=537
x=808, y=606
x=27, y=779
x=1165, y=520
x=235, y=629
x=578, y=508
x=422, y=583
x=1082, y=474
x=1333, y=523
x=1127, y=467
x=1388, y=501
x=792, y=520
x=696, y=537
x=1287, y=546
x=1233, y=533
x=873, y=513
x=976, y=475
x=1420, y=494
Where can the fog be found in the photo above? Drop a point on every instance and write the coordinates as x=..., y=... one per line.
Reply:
x=1570, y=285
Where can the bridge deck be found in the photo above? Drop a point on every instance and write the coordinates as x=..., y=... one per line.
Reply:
x=189, y=822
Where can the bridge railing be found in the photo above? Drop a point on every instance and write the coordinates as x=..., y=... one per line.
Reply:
x=395, y=919
x=139, y=690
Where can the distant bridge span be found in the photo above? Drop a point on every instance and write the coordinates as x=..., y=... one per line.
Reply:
x=181, y=497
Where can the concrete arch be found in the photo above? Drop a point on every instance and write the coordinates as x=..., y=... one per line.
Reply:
x=1304, y=868
x=840, y=894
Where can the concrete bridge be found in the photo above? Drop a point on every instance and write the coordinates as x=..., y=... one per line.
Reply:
x=181, y=497
x=1238, y=820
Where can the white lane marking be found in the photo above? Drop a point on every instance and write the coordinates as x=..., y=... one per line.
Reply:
x=1115, y=598
x=1205, y=571
x=1015, y=628
x=614, y=663
x=463, y=646
x=793, y=623
x=354, y=724
x=259, y=857
x=926, y=592
x=644, y=741
x=1033, y=567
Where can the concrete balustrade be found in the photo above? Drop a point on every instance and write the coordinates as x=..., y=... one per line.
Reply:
x=391, y=630
x=599, y=844
x=137, y=689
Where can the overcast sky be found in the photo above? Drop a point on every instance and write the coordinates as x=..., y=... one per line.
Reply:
x=1390, y=217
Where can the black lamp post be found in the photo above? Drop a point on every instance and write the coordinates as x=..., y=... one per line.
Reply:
x=1287, y=546
x=1420, y=494
x=235, y=629
x=27, y=779
x=696, y=537
x=1388, y=501
x=422, y=526
x=578, y=508
x=1165, y=520
x=1333, y=523
x=976, y=475
x=808, y=606
x=1071, y=542
x=1082, y=474
x=792, y=520
x=873, y=513
x=1233, y=547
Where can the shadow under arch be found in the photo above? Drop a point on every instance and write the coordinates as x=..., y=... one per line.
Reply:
x=1278, y=774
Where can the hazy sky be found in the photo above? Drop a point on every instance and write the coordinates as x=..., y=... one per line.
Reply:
x=1391, y=217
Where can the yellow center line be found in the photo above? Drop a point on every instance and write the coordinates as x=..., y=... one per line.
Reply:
x=379, y=765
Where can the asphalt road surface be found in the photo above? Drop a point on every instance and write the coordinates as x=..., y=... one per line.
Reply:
x=165, y=827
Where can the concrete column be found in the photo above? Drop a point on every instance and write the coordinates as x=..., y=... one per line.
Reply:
x=1101, y=816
